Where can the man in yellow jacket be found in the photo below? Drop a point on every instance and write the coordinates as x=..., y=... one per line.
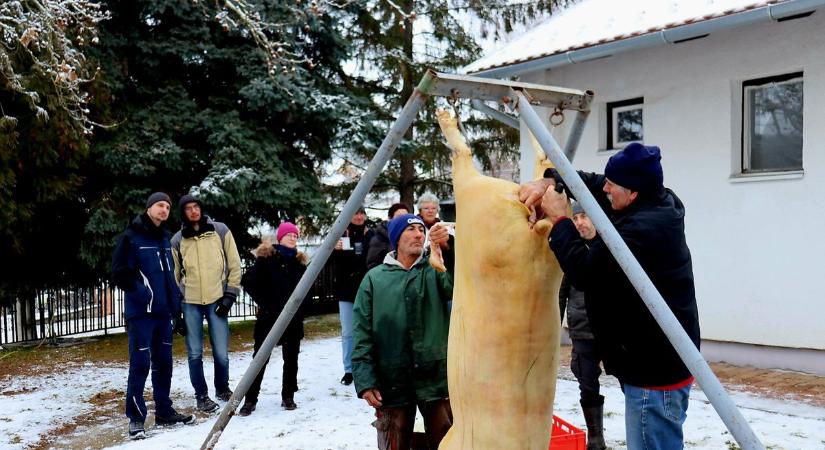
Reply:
x=208, y=272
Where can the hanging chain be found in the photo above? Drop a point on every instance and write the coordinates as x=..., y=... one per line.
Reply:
x=453, y=101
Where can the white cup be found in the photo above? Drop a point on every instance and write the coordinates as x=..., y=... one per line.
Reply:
x=345, y=243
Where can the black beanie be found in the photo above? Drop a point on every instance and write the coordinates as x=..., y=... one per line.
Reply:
x=158, y=197
x=185, y=200
x=637, y=167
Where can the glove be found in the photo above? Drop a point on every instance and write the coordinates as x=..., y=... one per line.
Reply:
x=180, y=325
x=224, y=304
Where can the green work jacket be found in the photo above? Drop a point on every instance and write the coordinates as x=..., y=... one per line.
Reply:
x=400, y=326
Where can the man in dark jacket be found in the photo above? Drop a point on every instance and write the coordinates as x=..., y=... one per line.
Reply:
x=400, y=327
x=584, y=359
x=350, y=262
x=380, y=242
x=142, y=267
x=650, y=219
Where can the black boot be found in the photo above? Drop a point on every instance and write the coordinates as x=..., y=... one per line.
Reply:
x=248, y=407
x=593, y=416
x=288, y=403
x=174, y=418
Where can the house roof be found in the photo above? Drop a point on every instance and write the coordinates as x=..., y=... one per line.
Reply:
x=593, y=23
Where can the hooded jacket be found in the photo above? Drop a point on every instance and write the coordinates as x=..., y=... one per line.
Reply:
x=142, y=267
x=400, y=325
x=271, y=281
x=633, y=346
x=207, y=264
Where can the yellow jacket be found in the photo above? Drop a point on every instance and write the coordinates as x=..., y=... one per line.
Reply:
x=207, y=263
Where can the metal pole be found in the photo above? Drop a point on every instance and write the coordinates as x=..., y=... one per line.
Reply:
x=396, y=134
x=576, y=133
x=506, y=119
x=677, y=336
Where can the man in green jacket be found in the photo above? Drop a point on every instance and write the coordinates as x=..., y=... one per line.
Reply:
x=400, y=326
x=208, y=273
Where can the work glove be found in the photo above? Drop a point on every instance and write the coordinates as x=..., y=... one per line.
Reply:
x=224, y=304
x=180, y=325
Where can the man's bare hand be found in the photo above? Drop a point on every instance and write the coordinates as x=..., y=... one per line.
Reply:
x=339, y=245
x=373, y=397
x=554, y=205
x=530, y=193
x=440, y=234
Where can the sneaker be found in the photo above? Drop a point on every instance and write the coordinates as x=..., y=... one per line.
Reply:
x=288, y=404
x=136, y=430
x=225, y=395
x=205, y=403
x=247, y=408
x=174, y=418
x=346, y=380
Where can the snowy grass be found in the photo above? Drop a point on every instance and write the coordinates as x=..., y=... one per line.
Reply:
x=81, y=407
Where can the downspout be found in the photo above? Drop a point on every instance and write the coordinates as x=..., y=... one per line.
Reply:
x=671, y=35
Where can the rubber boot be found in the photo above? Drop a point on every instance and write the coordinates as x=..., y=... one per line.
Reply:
x=593, y=417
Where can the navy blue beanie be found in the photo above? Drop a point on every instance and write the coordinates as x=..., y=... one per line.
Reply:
x=399, y=224
x=637, y=167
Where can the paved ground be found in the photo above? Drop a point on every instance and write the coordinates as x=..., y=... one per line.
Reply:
x=779, y=384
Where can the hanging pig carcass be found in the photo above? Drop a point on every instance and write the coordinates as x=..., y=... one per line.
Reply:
x=504, y=332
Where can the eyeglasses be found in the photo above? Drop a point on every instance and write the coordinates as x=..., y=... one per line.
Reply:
x=192, y=208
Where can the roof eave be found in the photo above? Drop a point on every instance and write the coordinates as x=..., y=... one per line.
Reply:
x=655, y=38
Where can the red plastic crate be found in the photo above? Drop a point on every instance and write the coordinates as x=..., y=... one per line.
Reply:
x=565, y=436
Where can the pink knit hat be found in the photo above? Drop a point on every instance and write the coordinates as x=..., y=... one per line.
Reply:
x=284, y=228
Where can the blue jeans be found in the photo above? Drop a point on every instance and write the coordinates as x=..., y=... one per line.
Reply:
x=347, y=343
x=218, y=340
x=150, y=347
x=653, y=419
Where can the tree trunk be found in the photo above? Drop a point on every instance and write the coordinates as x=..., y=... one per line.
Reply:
x=406, y=183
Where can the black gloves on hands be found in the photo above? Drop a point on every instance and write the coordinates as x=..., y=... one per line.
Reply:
x=224, y=304
x=180, y=325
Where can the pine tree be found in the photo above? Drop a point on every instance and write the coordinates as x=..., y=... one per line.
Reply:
x=202, y=109
x=396, y=43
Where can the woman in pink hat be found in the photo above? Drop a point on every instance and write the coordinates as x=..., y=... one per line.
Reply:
x=270, y=282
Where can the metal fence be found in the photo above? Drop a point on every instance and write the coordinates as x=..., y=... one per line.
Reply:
x=94, y=309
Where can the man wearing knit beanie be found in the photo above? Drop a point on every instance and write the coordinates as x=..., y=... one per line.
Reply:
x=400, y=361
x=651, y=221
x=142, y=269
x=208, y=273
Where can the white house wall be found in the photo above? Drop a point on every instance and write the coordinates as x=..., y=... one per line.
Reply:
x=756, y=244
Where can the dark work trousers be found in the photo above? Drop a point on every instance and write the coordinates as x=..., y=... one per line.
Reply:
x=584, y=362
x=395, y=425
x=289, y=349
x=150, y=347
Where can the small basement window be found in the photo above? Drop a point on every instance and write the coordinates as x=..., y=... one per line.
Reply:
x=624, y=122
x=772, y=124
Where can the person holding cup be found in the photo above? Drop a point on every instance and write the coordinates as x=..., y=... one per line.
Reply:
x=350, y=262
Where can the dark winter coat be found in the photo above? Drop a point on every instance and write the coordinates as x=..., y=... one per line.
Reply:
x=632, y=344
x=571, y=301
x=379, y=245
x=142, y=267
x=351, y=265
x=270, y=282
x=400, y=326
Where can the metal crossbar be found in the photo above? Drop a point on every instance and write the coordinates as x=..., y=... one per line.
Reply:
x=523, y=96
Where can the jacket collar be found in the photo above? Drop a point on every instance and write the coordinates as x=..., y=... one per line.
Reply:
x=205, y=224
x=143, y=224
x=390, y=260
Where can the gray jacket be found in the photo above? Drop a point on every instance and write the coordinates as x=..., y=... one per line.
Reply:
x=577, y=323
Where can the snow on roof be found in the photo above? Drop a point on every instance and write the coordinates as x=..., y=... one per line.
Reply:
x=595, y=22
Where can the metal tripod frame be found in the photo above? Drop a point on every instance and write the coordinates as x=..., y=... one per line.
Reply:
x=522, y=96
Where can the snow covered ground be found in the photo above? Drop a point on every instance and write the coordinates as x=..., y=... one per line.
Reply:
x=329, y=416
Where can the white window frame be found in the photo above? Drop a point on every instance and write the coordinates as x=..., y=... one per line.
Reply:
x=747, y=87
